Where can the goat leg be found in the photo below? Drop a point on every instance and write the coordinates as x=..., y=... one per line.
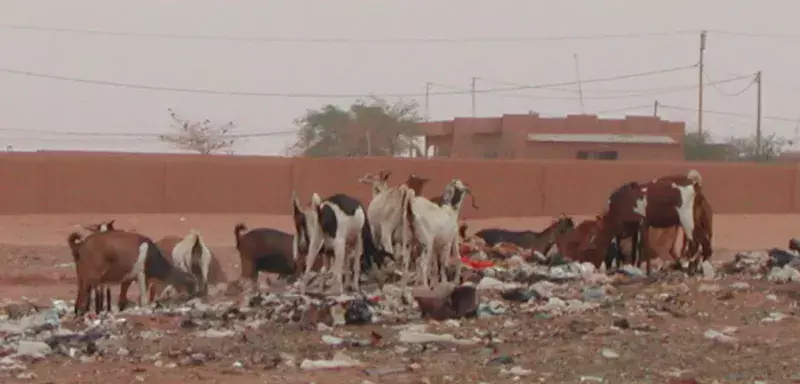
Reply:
x=122, y=300
x=644, y=239
x=314, y=247
x=141, y=280
x=444, y=258
x=339, y=259
x=425, y=264
x=356, y=258
x=457, y=256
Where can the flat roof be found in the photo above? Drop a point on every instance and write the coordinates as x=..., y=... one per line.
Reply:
x=600, y=138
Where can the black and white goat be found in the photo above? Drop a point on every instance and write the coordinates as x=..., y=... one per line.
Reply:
x=436, y=229
x=336, y=223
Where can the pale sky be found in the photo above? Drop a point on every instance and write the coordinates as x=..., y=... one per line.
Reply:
x=33, y=104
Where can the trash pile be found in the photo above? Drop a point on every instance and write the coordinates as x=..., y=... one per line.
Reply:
x=504, y=282
x=775, y=265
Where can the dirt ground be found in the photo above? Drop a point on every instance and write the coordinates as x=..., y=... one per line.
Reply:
x=37, y=267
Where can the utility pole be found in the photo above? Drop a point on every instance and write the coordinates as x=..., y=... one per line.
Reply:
x=758, y=115
x=472, y=90
x=655, y=108
x=580, y=86
x=428, y=101
x=700, y=85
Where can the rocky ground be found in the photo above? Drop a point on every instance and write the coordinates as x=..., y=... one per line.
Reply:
x=568, y=325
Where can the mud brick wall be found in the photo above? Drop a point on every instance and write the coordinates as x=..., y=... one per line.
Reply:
x=54, y=183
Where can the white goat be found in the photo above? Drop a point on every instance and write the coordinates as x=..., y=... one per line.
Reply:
x=386, y=214
x=193, y=256
x=331, y=223
x=436, y=229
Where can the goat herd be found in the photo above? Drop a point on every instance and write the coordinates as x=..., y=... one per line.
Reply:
x=337, y=234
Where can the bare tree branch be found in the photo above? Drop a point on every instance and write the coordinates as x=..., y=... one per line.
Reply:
x=199, y=136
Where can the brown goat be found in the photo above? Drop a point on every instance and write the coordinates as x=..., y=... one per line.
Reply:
x=268, y=250
x=103, y=226
x=121, y=257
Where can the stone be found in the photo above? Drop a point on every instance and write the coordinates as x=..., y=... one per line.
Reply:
x=34, y=349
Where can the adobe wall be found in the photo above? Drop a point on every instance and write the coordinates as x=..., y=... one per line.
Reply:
x=137, y=183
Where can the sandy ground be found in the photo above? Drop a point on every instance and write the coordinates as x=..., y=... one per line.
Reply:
x=36, y=266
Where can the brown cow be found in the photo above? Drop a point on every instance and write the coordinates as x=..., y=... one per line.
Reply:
x=661, y=203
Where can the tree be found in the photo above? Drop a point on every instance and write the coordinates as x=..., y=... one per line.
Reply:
x=200, y=136
x=699, y=147
x=745, y=148
x=371, y=127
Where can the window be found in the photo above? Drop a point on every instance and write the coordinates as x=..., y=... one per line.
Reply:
x=597, y=155
x=489, y=154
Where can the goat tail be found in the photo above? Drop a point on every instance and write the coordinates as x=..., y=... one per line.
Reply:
x=237, y=233
x=407, y=219
x=74, y=240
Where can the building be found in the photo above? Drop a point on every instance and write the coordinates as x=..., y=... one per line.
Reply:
x=574, y=137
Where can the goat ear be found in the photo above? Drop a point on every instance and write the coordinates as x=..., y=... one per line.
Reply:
x=295, y=203
x=316, y=201
x=110, y=224
x=385, y=175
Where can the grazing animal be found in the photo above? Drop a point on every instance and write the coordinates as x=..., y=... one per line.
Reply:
x=338, y=223
x=121, y=257
x=667, y=243
x=99, y=298
x=416, y=183
x=537, y=241
x=386, y=215
x=436, y=229
x=265, y=249
x=191, y=255
x=661, y=203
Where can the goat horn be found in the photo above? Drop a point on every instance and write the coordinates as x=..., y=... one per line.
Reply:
x=472, y=198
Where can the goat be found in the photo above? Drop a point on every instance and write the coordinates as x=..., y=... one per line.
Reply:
x=99, y=298
x=191, y=255
x=265, y=249
x=334, y=223
x=386, y=214
x=437, y=230
x=121, y=257
x=416, y=183
x=536, y=241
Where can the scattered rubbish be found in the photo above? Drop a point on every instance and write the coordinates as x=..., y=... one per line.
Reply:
x=412, y=337
x=719, y=337
x=515, y=371
x=339, y=360
x=609, y=353
x=385, y=371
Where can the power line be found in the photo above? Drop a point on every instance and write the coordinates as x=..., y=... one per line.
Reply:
x=726, y=93
x=624, y=109
x=780, y=36
x=321, y=95
x=633, y=93
x=724, y=113
x=137, y=135
x=348, y=40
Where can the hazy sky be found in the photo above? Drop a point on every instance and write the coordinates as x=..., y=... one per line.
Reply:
x=31, y=103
